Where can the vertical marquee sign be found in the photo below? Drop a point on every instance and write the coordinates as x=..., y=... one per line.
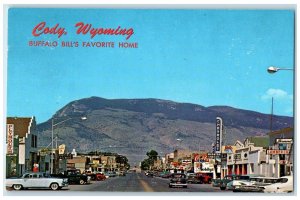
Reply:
x=10, y=138
x=219, y=133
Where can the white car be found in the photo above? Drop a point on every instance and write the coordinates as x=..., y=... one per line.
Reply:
x=36, y=180
x=283, y=185
x=254, y=184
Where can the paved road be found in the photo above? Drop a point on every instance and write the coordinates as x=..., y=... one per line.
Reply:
x=138, y=182
x=132, y=182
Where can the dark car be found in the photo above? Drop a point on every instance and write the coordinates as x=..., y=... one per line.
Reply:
x=150, y=174
x=165, y=175
x=74, y=177
x=178, y=180
x=192, y=178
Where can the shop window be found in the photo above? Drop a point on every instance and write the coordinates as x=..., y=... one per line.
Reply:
x=282, y=146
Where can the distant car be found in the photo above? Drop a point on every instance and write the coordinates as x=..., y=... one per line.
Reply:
x=36, y=180
x=110, y=174
x=283, y=185
x=165, y=175
x=150, y=174
x=122, y=173
x=178, y=180
x=100, y=177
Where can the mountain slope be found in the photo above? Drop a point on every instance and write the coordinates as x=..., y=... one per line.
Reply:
x=134, y=126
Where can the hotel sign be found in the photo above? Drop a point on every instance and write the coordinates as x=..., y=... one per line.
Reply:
x=10, y=138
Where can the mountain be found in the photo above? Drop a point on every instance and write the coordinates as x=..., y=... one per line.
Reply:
x=132, y=127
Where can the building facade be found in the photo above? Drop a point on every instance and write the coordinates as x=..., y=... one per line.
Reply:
x=24, y=130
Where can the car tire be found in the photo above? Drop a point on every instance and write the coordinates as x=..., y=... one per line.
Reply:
x=223, y=188
x=81, y=182
x=17, y=187
x=54, y=186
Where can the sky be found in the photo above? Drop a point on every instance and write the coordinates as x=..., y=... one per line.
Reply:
x=206, y=57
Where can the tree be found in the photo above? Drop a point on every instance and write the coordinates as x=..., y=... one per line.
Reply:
x=123, y=161
x=149, y=162
x=152, y=156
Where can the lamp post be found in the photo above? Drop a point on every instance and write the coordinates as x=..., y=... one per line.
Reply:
x=52, y=140
x=273, y=69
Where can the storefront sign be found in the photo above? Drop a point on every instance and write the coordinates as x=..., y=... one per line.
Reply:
x=219, y=133
x=284, y=141
x=10, y=138
x=61, y=149
x=277, y=152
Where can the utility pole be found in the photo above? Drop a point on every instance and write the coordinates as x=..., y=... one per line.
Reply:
x=271, y=117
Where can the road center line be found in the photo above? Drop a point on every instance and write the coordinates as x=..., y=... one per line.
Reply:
x=146, y=186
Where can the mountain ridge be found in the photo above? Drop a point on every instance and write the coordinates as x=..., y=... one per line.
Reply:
x=134, y=126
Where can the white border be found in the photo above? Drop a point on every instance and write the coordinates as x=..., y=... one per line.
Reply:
x=175, y=4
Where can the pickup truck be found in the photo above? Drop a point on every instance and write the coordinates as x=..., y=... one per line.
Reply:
x=36, y=180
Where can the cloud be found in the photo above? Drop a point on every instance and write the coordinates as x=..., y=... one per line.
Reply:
x=277, y=94
x=283, y=101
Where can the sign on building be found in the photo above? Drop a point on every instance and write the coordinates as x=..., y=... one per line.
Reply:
x=10, y=138
x=61, y=149
x=219, y=134
x=277, y=152
x=284, y=141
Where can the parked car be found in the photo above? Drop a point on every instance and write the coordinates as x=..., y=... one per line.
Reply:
x=122, y=173
x=150, y=174
x=100, y=177
x=240, y=180
x=192, y=178
x=227, y=181
x=222, y=183
x=283, y=185
x=74, y=177
x=178, y=180
x=110, y=174
x=36, y=180
x=204, y=178
x=254, y=184
x=165, y=175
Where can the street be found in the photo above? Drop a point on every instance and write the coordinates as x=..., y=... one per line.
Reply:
x=134, y=182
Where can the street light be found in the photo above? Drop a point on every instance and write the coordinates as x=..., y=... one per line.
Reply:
x=52, y=140
x=273, y=69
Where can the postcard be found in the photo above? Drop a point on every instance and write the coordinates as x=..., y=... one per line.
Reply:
x=150, y=100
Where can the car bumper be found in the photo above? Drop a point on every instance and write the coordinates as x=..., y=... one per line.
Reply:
x=178, y=184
